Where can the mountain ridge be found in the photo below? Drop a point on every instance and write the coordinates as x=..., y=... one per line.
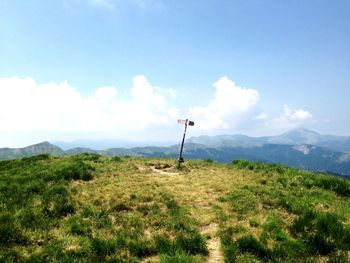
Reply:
x=225, y=148
x=293, y=137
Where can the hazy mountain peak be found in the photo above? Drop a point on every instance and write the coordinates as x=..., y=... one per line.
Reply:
x=35, y=149
x=302, y=131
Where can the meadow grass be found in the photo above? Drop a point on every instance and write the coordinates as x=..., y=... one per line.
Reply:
x=91, y=208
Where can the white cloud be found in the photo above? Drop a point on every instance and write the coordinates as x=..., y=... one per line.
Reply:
x=57, y=111
x=226, y=109
x=289, y=119
x=28, y=107
x=293, y=117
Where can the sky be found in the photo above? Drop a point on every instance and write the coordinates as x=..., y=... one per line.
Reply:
x=128, y=69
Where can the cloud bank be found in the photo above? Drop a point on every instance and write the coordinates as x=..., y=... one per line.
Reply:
x=226, y=108
x=29, y=107
x=58, y=110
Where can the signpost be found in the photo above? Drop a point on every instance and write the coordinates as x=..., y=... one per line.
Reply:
x=186, y=122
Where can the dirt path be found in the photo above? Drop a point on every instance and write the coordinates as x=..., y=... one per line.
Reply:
x=198, y=190
x=213, y=243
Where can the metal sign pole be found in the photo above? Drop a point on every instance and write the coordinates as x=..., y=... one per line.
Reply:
x=186, y=122
x=181, y=159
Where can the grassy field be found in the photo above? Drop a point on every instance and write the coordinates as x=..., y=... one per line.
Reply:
x=90, y=208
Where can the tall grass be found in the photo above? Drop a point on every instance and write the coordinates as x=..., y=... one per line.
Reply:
x=296, y=224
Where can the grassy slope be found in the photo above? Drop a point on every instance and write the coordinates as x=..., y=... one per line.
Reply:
x=89, y=208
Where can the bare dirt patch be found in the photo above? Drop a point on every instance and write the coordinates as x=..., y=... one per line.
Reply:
x=165, y=169
x=213, y=242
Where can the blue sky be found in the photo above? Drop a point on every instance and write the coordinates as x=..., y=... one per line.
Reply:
x=127, y=69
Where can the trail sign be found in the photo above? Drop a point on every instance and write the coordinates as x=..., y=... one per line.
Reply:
x=186, y=122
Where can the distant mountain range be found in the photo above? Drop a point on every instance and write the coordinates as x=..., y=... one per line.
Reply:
x=294, y=137
x=300, y=148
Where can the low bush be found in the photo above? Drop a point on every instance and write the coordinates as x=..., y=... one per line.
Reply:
x=121, y=207
x=163, y=244
x=249, y=244
x=178, y=257
x=239, y=204
x=88, y=157
x=289, y=251
x=53, y=252
x=10, y=233
x=259, y=166
x=102, y=248
x=116, y=159
x=57, y=202
x=35, y=158
x=228, y=247
x=192, y=243
x=32, y=218
x=142, y=248
x=242, y=164
x=74, y=171
x=323, y=233
x=10, y=255
x=78, y=226
x=338, y=185
x=273, y=225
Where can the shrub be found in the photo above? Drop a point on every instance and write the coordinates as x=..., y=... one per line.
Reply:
x=323, y=233
x=88, y=157
x=57, y=201
x=273, y=226
x=77, y=226
x=52, y=252
x=178, y=257
x=9, y=233
x=192, y=243
x=338, y=185
x=142, y=248
x=35, y=158
x=116, y=159
x=32, y=219
x=103, y=248
x=75, y=171
x=242, y=164
x=289, y=249
x=10, y=255
x=35, y=187
x=101, y=219
x=144, y=209
x=172, y=205
x=238, y=201
x=249, y=244
x=164, y=245
x=228, y=247
x=121, y=207
x=254, y=222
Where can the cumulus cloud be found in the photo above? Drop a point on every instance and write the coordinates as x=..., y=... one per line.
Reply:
x=58, y=111
x=293, y=117
x=26, y=106
x=289, y=119
x=226, y=109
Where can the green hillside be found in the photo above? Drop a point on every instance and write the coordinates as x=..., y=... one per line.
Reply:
x=92, y=208
x=36, y=149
